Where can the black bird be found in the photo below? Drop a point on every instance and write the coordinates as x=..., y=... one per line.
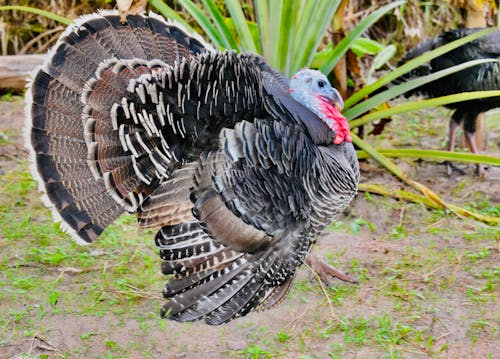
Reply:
x=482, y=77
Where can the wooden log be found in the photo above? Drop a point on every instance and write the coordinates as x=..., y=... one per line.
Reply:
x=15, y=69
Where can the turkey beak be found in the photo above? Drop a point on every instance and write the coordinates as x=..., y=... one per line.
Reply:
x=336, y=99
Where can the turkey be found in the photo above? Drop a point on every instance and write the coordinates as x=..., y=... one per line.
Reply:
x=478, y=78
x=237, y=167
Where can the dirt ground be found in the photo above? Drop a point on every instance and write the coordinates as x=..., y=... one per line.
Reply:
x=428, y=283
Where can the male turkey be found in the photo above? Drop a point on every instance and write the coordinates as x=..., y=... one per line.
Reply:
x=238, y=169
x=478, y=78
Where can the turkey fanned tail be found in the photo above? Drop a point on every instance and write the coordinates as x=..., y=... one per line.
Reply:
x=80, y=161
x=207, y=147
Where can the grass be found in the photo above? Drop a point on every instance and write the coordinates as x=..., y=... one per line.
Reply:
x=428, y=282
x=55, y=277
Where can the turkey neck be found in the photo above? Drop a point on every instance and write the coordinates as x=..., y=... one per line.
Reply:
x=331, y=183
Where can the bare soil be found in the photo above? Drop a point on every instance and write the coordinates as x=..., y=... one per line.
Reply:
x=421, y=291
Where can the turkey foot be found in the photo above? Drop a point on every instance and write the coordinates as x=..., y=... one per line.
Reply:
x=480, y=170
x=324, y=270
x=450, y=167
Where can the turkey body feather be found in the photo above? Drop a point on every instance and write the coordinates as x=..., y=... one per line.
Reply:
x=482, y=77
x=208, y=147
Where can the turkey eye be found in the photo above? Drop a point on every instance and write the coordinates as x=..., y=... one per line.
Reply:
x=321, y=83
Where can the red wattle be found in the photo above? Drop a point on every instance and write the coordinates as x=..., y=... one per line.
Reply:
x=342, y=130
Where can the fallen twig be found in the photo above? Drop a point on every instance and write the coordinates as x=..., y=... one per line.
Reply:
x=429, y=198
x=137, y=292
x=37, y=342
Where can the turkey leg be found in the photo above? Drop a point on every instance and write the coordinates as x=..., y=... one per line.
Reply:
x=324, y=270
x=452, y=135
x=470, y=138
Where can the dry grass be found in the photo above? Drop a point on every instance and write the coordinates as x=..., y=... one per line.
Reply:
x=23, y=32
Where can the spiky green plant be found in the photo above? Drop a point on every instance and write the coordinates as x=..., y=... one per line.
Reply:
x=37, y=11
x=289, y=32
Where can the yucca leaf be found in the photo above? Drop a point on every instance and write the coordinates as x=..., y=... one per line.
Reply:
x=378, y=157
x=169, y=13
x=262, y=18
x=362, y=46
x=321, y=56
x=436, y=155
x=204, y=22
x=240, y=23
x=462, y=212
x=384, y=55
x=428, y=193
x=381, y=59
x=412, y=197
x=342, y=47
x=45, y=13
x=313, y=23
x=275, y=13
x=421, y=104
x=304, y=25
x=410, y=65
x=400, y=194
x=218, y=19
x=287, y=33
x=398, y=90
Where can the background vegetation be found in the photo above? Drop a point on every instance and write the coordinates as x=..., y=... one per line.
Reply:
x=23, y=32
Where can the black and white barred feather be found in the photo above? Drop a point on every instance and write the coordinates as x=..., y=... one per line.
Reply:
x=206, y=146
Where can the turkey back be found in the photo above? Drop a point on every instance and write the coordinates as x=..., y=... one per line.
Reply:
x=79, y=161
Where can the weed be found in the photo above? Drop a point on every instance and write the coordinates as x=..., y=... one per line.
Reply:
x=390, y=335
x=88, y=335
x=9, y=96
x=282, y=336
x=356, y=225
x=355, y=330
x=253, y=351
x=337, y=351
x=337, y=226
x=53, y=298
x=483, y=253
x=399, y=232
x=303, y=286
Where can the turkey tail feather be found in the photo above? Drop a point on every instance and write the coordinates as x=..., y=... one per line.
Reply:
x=79, y=155
x=211, y=281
